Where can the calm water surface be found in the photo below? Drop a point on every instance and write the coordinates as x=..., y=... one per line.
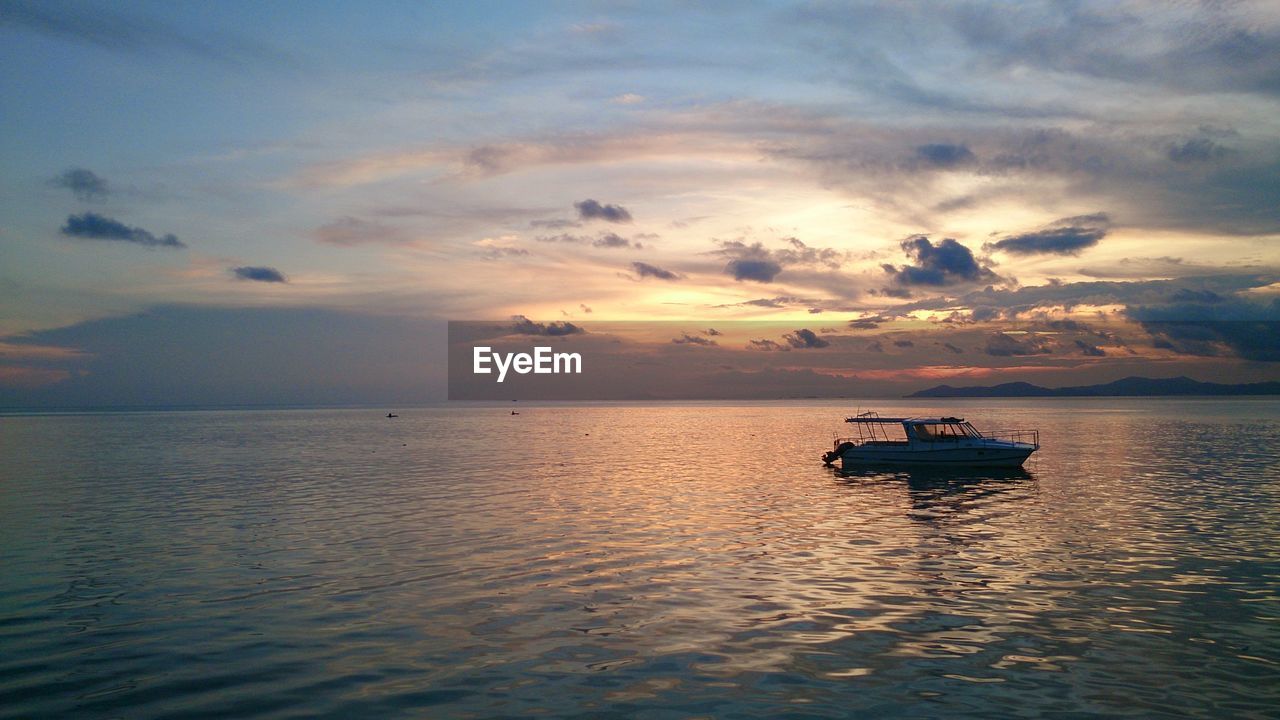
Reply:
x=636, y=561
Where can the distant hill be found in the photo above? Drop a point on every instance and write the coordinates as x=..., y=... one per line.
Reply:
x=1130, y=386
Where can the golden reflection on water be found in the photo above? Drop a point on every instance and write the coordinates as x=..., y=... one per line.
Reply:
x=693, y=558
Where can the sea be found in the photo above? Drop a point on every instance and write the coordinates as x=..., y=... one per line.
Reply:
x=680, y=560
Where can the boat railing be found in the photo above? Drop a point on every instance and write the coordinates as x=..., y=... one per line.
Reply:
x=1030, y=437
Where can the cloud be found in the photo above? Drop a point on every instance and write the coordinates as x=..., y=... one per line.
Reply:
x=349, y=231
x=903, y=343
x=687, y=339
x=128, y=33
x=1144, y=300
x=1257, y=340
x=258, y=274
x=558, y=224
x=779, y=301
x=1068, y=236
x=758, y=270
x=868, y=323
x=591, y=210
x=563, y=238
x=1207, y=323
x=92, y=226
x=946, y=263
x=584, y=308
x=200, y=355
x=805, y=339
x=799, y=253
x=944, y=155
x=497, y=253
x=525, y=326
x=1001, y=345
x=613, y=240
x=86, y=184
x=984, y=314
x=757, y=263
x=1197, y=150
x=1090, y=350
x=645, y=270
x=875, y=346
x=952, y=348
x=767, y=345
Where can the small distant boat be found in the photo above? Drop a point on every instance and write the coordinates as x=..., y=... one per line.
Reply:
x=392, y=415
x=940, y=442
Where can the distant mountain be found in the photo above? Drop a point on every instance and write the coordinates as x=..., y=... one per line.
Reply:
x=1139, y=386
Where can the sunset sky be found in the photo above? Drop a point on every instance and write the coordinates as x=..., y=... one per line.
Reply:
x=285, y=202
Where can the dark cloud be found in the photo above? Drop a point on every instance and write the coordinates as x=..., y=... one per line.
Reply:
x=563, y=238
x=984, y=314
x=946, y=263
x=768, y=345
x=644, y=270
x=613, y=240
x=687, y=339
x=756, y=262
x=1144, y=300
x=1256, y=340
x=92, y=226
x=86, y=184
x=758, y=270
x=1001, y=345
x=875, y=347
x=894, y=292
x=497, y=253
x=945, y=155
x=591, y=210
x=903, y=343
x=525, y=326
x=867, y=323
x=1196, y=150
x=1203, y=322
x=258, y=274
x=1068, y=236
x=1089, y=349
x=712, y=332
x=1189, y=295
x=805, y=339
x=952, y=348
x=584, y=308
x=1066, y=326
x=604, y=240
x=215, y=356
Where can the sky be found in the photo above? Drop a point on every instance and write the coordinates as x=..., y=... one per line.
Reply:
x=240, y=203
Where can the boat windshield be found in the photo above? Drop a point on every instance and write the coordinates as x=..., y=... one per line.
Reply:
x=944, y=431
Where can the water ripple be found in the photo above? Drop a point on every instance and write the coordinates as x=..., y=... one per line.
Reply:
x=635, y=561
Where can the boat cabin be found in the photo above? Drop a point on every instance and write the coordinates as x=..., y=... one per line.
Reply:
x=930, y=440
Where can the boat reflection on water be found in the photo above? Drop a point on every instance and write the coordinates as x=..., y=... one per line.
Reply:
x=930, y=477
x=933, y=492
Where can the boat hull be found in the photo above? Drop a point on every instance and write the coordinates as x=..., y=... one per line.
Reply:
x=1010, y=456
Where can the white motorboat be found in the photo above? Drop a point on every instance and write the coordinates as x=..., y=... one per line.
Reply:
x=940, y=441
